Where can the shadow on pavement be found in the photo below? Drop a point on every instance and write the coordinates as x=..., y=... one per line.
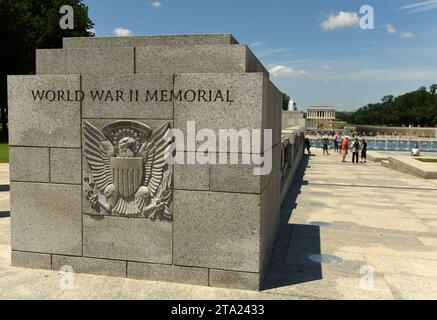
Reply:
x=290, y=263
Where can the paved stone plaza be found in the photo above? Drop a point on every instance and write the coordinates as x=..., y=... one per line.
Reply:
x=363, y=218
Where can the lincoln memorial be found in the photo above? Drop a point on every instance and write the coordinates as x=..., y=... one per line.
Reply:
x=320, y=117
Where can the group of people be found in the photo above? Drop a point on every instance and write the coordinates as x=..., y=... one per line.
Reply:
x=341, y=145
x=356, y=147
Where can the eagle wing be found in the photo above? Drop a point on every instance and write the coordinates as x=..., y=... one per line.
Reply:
x=154, y=153
x=98, y=152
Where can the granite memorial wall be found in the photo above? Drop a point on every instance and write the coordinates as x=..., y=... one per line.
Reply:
x=91, y=187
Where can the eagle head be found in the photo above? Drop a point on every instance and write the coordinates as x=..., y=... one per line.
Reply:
x=126, y=147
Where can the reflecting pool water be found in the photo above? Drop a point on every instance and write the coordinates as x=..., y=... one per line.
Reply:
x=390, y=145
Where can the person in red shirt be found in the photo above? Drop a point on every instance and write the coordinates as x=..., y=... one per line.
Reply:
x=345, y=148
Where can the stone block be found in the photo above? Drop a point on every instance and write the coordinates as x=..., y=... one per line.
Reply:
x=234, y=280
x=270, y=215
x=243, y=111
x=126, y=97
x=274, y=112
x=235, y=178
x=145, y=41
x=241, y=178
x=216, y=230
x=29, y=164
x=43, y=123
x=31, y=260
x=46, y=218
x=168, y=273
x=85, y=61
x=192, y=59
x=102, y=267
x=65, y=165
x=253, y=64
x=191, y=176
x=132, y=239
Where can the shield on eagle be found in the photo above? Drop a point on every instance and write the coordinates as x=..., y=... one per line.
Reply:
x=127, y=174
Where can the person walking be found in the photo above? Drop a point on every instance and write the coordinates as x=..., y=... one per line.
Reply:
x=336, y=144
x=344, y=148
x=307, y=145
x=355, y=151
x=325, y=146
x=364, y=151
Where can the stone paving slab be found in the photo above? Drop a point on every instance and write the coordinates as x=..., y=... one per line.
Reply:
x=412, y=166
x=4, y=173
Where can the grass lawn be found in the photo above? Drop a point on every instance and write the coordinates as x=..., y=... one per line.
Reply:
x=4, y=153
x=428, y=160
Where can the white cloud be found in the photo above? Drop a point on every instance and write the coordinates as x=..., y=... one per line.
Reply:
x=268, y=52
x=156, y=4
x=391, y=28
x=406, y=35
x=281, y=71
x=341, y=20
x=256, y=44
x=122, y=32
x=420, y=6
x=326, y=67
x=403, y=35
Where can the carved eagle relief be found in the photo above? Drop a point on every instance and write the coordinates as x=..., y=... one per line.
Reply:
x=129, y=172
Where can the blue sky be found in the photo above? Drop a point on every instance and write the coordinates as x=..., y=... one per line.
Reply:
x=316, y=50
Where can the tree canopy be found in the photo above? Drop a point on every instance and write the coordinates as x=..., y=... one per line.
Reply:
x=417, y=108
x=285, y=101
x=27, y=25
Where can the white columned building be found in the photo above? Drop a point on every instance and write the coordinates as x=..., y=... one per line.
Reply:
x=321, y=117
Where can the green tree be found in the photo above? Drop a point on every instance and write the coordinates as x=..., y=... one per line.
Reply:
x=285, y=101
x=417, y=108
x=27, y=25
x=388, y=99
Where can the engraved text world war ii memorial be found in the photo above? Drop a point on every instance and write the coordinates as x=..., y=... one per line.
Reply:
x=152, y=157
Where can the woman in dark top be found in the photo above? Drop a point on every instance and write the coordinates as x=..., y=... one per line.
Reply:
x=364, y=151
x=336, y=144
x=325, y=146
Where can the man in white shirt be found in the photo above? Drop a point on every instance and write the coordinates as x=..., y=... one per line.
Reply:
x=415, y=152
x=355, y=150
